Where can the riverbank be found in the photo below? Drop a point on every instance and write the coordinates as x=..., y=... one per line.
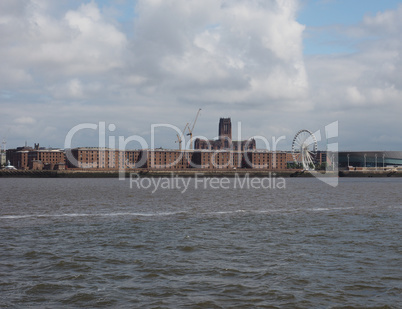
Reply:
x=372, y=173
x=187, y=173
x=149, y=173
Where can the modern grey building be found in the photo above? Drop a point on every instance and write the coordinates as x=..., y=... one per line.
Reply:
x=370, y=158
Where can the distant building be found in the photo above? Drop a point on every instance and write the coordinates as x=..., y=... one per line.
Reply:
x=18, y=157
x=222, y=153
x=3, y=159
x=167, y=159
x=252, y=159
x=369, y=159
x=35, y=158
x=224, y=140
x=105, y=158
x=94, y=157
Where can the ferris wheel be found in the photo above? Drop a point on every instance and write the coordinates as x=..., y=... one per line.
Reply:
x=304, y=149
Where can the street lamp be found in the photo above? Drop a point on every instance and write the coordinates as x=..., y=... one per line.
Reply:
x=365, y=155
x=348, y=160
x=383, y=157
x=375, y=161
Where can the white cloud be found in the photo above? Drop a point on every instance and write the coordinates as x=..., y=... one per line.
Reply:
x=363, y=89
x=67, y=62
x=384, y=22
x=354, y=95
x=368, y=77
x=223, y=50
x=81, y=43
x=25, y=120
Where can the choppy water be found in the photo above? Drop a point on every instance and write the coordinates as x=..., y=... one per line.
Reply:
x=97, y=243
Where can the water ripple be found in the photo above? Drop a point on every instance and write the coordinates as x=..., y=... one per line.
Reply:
x=105, y=245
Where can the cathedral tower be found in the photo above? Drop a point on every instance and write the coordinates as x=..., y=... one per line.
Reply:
x=225, y=132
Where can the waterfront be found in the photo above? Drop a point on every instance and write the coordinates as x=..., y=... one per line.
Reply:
x=99, y=243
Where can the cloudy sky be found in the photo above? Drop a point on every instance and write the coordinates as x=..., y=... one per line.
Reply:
x=276, y=66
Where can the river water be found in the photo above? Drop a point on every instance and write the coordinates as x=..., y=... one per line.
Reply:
x=94, y=243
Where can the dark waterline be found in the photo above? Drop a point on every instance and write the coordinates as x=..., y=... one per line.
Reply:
x=98, y=243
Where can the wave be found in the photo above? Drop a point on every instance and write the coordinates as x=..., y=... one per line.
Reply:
x=172, y=213
x=114, y=214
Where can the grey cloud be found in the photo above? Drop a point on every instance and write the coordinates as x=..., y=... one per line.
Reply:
x=241, y=59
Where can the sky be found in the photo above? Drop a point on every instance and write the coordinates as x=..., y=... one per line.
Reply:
x=273, y=66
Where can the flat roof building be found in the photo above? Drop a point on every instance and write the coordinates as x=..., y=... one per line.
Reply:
x=369, y=159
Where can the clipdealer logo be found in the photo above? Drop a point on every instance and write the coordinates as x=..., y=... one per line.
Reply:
x=330, y=175
x=201, y=181
x=111, y=147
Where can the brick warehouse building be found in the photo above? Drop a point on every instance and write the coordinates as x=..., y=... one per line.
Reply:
x=105, y=158
x=36, y=158
x=113, y=159
x=164, y=159
x=94, y=158
x=223, y=153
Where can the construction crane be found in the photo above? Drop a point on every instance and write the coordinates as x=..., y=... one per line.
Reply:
x=4, y=142
x=191, y=130
x=179, y=140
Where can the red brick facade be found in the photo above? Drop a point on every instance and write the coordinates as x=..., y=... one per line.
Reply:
x=96, y=158
x=113, y=159
x=29, y=158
